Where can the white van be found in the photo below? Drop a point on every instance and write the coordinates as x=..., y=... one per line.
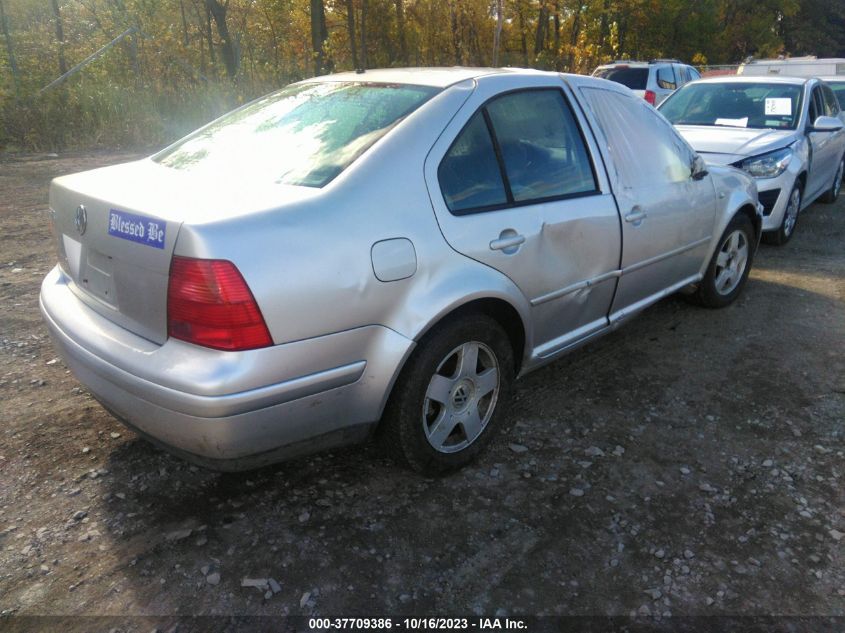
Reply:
x=809, y=66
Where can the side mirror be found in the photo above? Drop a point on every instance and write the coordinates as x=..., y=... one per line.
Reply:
x=826, y=124
x=698, y=169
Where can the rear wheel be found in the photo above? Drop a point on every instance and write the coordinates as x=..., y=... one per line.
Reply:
x=833, y=193
x=447, y=403
x=787, y=226
x=728, y=270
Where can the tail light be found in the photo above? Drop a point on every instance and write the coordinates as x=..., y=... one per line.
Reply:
x=209, y=304
x=650, y=97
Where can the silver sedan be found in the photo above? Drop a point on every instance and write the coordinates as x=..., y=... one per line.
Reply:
x=380, y=253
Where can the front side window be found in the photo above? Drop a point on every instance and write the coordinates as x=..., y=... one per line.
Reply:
x=831, y=106
x=645, y=150
x=816, y=105
x=839, y=90
x=519, y=148
x=304, y=134
x=734, y=104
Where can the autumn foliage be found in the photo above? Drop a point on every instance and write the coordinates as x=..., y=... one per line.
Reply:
x=182, y=62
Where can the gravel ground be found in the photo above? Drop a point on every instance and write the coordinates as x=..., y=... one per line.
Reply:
x=689, y=464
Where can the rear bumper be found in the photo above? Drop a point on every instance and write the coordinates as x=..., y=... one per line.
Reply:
x=231, y=410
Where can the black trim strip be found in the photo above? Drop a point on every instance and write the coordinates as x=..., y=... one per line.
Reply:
x=526, y=203
x=498, y=150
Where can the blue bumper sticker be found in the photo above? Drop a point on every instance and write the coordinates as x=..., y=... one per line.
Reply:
x=137, y=228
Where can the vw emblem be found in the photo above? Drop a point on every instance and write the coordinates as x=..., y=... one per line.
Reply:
x=81, y=219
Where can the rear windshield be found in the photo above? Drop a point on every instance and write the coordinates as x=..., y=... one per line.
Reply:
x=301, y=135
x=634, y=78
x=753, y=105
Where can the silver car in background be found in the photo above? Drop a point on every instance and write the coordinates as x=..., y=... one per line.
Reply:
x=380, y=253
x=787, y=132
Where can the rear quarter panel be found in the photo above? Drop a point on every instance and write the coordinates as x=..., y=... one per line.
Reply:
x=309, y=264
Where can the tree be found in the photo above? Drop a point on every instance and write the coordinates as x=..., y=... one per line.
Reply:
x=350, y=28
x=60, y=36
x=319, y=34
x=10, y=48
x=218, y=12
x=400, y=31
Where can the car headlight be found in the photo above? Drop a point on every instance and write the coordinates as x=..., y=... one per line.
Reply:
x=767, y=165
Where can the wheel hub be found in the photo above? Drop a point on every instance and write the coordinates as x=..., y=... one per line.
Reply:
x=462, y=394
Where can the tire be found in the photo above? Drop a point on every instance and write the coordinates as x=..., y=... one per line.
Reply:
x=832, y=194
x=786, y=230
x=728, y=270
x=434, y=437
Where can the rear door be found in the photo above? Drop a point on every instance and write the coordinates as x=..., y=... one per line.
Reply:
x=667, y=216
x=514, y=185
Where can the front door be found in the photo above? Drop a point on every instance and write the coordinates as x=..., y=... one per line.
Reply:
x=514, y=185
x=667, y=216
x=825, y=147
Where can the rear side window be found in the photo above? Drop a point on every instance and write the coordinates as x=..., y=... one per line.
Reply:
x=694, y=74
x=633, y=78
x=541, y=145
x=666, y=78
x=470, y=176
x=520, y=148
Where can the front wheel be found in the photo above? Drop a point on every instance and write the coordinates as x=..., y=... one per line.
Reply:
x=728, y=270
x=833, y=193
x=449, y=398
x=784, y=232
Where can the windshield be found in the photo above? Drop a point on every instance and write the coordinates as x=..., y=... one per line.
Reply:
x=753, y=105
x=633, y=78
x=305, y=134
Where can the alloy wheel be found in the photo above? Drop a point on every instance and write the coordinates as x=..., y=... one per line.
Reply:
x=791, y=217
x=731, y=262
x=461, y=397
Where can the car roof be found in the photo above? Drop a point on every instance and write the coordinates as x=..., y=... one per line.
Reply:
x=435, y=77
x=445, y=77
x=756, y=79
x=623, y=62
x=833, y=78
x=641, y=63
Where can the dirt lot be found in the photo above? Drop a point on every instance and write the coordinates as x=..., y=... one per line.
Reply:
x=688, y=464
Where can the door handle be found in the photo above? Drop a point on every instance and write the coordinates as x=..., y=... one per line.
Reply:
x=507, y=243
x=636, y=215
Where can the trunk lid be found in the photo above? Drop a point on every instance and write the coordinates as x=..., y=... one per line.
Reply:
x=116, y=230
